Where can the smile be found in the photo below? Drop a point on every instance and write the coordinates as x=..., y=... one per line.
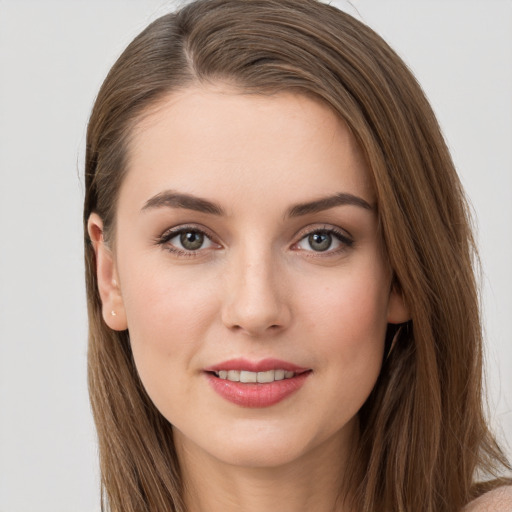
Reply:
x=252, y=377
x=256, y=384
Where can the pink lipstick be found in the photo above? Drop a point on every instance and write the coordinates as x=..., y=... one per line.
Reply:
x=256, y=384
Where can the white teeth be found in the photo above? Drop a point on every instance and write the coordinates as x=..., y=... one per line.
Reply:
x=233, y=375
x=252, y=377
x=266, y=376
x=248, y=376
x=279, y=374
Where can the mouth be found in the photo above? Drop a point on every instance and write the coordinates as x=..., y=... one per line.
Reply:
x=256, y=384
x=247, y=377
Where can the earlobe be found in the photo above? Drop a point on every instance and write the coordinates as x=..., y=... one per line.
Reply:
x=398, y=311
x=106, y=274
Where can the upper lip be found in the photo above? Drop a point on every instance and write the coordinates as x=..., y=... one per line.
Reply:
x=264, y=365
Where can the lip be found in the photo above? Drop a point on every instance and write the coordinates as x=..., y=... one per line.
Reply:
x=256, y=395
x=256, y=366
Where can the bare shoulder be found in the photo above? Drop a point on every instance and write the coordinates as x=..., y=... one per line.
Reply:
x=497, y=500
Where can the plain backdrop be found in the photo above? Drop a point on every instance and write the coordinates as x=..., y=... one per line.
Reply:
x=53, y=58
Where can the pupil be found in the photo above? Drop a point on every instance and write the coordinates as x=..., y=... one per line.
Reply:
x=320, y=241
x=191, y=240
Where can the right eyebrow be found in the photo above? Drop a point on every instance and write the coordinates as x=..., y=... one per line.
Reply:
x=173, y=199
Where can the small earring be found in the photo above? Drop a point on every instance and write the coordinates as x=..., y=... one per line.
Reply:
x=113, y=313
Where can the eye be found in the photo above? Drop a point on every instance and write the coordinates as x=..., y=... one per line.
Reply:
x=324, y=240
x=191, y=240
x=186, y=241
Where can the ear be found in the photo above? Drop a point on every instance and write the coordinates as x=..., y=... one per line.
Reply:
x=398, y=312
x=113, y=310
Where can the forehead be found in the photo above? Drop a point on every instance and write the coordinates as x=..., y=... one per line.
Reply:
x=218, y=139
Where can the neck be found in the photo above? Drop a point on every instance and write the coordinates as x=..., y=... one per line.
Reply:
x=314, y=481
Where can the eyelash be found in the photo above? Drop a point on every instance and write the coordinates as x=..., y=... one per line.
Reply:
x=163, y=241
x=166, y=237
x=346, y=242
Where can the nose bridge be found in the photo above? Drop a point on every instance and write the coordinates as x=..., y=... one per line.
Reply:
x=255, y=301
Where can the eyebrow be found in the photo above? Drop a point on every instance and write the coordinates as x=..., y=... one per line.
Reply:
x=173, y=199
x=325, y=203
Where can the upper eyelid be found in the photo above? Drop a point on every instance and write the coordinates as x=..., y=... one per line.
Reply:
x=174, y=231
x=164, y=240
x=345, y=240
x=322, y=227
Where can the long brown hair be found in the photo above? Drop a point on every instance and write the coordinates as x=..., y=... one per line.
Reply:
x=423, y=434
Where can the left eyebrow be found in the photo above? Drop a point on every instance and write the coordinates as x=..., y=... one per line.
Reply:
x=326, y=203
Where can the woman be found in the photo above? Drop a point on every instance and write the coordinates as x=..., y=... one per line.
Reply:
x=283, y=312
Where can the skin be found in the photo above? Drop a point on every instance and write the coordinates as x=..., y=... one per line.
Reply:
x=259, y=289
x=497, y=500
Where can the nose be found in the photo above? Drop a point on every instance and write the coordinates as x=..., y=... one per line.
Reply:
x=256, y=300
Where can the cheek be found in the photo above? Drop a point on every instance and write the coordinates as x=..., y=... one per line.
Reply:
x=164, y=304
x=352, y=311
x=350, y=321
x=169, y=314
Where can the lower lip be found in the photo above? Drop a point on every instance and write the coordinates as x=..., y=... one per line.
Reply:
x=257, y=395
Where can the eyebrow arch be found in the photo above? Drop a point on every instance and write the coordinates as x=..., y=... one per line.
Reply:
x=173, y=199
x=325, y=203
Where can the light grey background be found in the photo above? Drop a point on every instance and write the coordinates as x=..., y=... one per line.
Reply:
x=53, y=57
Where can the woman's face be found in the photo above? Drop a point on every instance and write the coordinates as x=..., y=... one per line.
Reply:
x=247, y=247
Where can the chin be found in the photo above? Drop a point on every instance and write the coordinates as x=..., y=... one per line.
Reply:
x=262, y=454
x=264, y=445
